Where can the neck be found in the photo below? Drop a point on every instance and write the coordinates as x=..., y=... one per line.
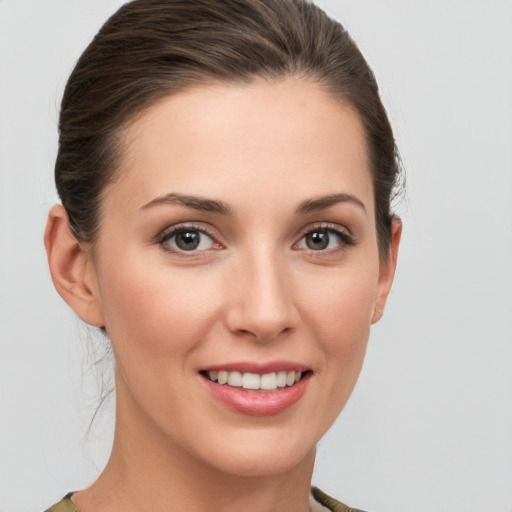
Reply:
x=147, y=471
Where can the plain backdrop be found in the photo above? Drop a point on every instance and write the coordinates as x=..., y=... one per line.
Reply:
x=429, y=426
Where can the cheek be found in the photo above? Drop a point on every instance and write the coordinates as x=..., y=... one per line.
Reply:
x=155, y=319
x=159, y=312
x=341, y=303
x=339, y=315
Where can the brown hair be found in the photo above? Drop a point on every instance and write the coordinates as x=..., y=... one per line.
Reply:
x=152, y=48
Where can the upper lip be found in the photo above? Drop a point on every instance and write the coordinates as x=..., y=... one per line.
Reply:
x=256, y=367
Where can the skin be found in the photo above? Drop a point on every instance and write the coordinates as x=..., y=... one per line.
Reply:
x=254, y=291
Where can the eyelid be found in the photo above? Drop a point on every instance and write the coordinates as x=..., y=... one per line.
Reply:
x=347, y=238
x=192, y=226
x=168, y=232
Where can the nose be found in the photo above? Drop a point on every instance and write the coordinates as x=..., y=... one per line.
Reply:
x=261, y=298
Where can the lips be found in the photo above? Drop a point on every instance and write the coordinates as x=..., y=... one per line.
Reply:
x=257, y=390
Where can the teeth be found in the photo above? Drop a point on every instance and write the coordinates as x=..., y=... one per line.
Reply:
x=268, y=381
x=281, y=379
x=250, y=381
x=255, y=381
x=235, y=379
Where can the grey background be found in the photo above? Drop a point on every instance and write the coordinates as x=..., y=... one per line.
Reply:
x=429, y=426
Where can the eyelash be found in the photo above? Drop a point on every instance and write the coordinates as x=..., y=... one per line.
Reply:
x=167, y=235
x=346, y=240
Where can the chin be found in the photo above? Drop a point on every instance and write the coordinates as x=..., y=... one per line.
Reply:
x=260, y=457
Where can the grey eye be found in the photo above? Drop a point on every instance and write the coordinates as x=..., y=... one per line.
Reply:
x=325, y=239
x=189, y=240
x=317, y=240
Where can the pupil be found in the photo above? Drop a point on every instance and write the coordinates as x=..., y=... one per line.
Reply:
x=317, y=240
x=188, y=241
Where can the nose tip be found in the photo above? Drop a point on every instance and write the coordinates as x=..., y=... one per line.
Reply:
x=262, y=328
x=262, y=306
x=267, y=327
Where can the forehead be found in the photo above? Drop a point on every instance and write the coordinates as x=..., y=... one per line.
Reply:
x=288, y=139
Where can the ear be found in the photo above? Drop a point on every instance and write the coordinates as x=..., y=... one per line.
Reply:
x=387, y=270
x=71, y=268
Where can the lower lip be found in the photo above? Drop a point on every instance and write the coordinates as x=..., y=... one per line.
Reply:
x=258, y=403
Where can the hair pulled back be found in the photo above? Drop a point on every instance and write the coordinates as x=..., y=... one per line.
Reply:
x=150, y=49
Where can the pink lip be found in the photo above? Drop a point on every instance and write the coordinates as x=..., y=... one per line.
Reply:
x=261, y=368
x=258, y=403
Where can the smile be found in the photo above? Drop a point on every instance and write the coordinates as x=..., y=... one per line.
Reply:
x=254, y=381
x=257, y=390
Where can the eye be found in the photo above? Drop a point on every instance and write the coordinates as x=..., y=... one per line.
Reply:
x=187, y=239
x=325, y=239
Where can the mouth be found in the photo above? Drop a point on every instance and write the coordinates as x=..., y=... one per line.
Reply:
x=249, y=381
x=256, y=390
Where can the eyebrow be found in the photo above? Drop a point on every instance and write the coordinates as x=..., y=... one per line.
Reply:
x=195, y=202
x=212, y=205
x=321, y=203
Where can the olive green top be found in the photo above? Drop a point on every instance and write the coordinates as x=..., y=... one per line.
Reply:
x=66, y=505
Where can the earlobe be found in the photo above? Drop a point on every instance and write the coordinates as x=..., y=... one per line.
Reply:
x=71, y=268
x=387, y=270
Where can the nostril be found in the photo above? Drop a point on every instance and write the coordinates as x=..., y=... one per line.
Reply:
x=271, y=335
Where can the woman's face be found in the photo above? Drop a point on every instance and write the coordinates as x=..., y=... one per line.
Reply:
x=238, y=241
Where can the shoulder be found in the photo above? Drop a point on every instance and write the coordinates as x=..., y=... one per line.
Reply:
x=330, y=503
x=64, y=505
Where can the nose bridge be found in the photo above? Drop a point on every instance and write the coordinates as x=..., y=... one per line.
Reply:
x=262, y=303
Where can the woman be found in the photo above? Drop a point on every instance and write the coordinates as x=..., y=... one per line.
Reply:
x=225, y=170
